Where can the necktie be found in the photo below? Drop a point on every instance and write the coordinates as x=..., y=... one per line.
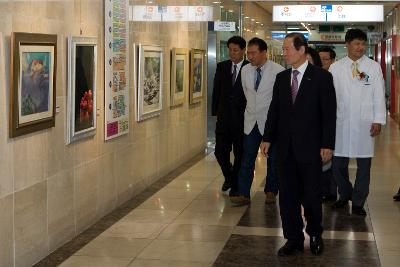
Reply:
x=234, y=74
x=355, y=71
x=258, y=79
x=295, y=84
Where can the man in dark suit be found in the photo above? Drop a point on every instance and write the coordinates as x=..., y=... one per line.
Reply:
x=301, y=122
x=228, y=104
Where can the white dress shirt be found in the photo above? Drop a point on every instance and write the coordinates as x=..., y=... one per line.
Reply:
x=258, y=101
x=360, y=102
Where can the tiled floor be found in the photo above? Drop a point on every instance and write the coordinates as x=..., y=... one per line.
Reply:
x=188, y=222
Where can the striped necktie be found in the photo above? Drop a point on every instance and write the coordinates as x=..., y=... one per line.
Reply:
x=258, y=79
x=295, y=84
x=234, y=73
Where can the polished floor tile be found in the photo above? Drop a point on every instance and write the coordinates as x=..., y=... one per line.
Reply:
x=114, y=247
x=151, y=216
x=205, y=252
x=131, y=229
x=163, y=263
x=208, y=218
x=87, y=261
x=162, y=203
x=194, y=232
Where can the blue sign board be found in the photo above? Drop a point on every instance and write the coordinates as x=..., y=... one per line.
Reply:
x=326, y=8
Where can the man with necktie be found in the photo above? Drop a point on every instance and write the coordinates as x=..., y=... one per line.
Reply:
x=228, y=104
x=257, y=80
x=301, y=122
x=361, y=111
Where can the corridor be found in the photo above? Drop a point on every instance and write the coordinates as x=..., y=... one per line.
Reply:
x=188, y=222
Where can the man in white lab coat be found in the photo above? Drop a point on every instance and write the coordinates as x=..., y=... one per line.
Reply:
x=361, y=111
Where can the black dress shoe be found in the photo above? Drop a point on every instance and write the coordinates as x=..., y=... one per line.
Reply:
x=316, y=245
x=396, y=197
x=340, y=204
x=329, y=198
x=226, y=186
x=358, y=211
x=290, y=248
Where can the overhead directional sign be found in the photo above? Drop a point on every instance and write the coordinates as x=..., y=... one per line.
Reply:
x=328, y=13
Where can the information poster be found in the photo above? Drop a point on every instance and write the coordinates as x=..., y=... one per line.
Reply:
x=116, y=89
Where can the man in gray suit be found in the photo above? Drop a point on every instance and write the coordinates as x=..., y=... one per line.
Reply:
x=257, y=81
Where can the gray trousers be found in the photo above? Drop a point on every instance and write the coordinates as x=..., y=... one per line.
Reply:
x=359, y=193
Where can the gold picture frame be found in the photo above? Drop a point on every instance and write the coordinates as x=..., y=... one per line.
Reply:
x=179, y=75
x=197, y=63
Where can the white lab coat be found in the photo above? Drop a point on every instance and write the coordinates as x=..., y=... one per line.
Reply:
x=359, y=104
x=258, y=101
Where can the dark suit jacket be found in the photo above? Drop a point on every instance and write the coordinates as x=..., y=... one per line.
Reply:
x=310, y=123
x=228, y=102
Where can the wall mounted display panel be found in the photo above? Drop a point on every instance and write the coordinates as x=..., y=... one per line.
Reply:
x=149, y=81
x=82, y=90
x=33, y=82
x=116, y=89
x=179, y=75
x=196, y=75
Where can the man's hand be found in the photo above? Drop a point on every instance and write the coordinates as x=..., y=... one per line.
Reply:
x=326, y=154
x=375, y=129
x=264, y=147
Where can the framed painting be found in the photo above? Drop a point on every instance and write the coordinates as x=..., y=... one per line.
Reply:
x=81, y=98
x=33, y=82
x=196, y=75
x=149, y=81
x=179, y=74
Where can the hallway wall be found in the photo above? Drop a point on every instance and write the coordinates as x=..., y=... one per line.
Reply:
x=50, y=192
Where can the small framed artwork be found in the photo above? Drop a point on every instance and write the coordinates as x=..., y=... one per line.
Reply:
x=196, y=75
x=33, y=82
x=81, y=101
x=179, y=75
x=149, y=81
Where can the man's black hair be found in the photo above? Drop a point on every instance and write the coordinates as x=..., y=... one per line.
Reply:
x=332, y=53
x=238, y=40
x=262, y=45
x=352, y=34
x=298, y=40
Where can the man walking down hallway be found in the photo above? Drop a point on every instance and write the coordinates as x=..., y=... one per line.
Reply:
x=361, y=111
x=301, y=122
x=258, y=79
x=228, y=104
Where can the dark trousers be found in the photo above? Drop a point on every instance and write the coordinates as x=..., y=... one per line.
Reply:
x=251, y=144
x=329, y=187
x=300, y=184
x=359, y=193
x=224, y=142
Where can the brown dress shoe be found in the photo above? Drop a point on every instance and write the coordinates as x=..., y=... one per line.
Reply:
x=270, y=198
x=240, y=200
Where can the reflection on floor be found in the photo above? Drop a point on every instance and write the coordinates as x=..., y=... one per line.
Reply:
x=188, y=222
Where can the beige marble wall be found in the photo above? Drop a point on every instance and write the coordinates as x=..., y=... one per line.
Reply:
x=50, y=192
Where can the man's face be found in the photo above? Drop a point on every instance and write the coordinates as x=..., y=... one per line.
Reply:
x=291, y=55
x=355, y=49
x=236, y=54
x=326, y=59
x=255, y=56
